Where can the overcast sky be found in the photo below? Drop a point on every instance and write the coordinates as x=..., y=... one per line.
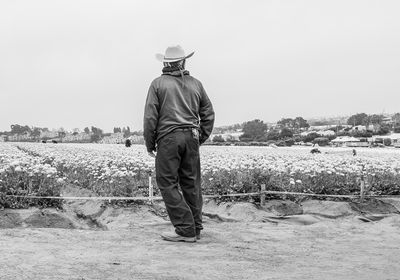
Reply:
x=80, y=63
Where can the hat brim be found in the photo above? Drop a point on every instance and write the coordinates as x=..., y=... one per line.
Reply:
x=161, y=57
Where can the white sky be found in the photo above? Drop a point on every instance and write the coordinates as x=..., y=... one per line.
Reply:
x=79, y=63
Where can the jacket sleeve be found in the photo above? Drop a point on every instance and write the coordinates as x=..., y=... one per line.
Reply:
x=150, y=120
x=207, y=116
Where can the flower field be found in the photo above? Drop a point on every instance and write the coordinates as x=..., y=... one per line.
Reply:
x=114, y=170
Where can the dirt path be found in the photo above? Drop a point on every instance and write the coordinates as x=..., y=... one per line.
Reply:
x=345, y=248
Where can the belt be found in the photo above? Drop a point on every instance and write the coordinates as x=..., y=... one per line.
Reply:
x=183, y=129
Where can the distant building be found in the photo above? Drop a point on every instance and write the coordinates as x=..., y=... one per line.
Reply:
x=3, y=138
x=20, y=137
x=394, y=137
x=233, y=136
x=359, y=128
x=323, y=133
x=348, y=141
x=387, y=120
x=136, y=139
x=80, y=137
x=48, y=134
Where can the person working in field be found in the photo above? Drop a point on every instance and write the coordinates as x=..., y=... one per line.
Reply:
x=178, y=118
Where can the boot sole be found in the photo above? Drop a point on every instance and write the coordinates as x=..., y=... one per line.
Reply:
x=180, y=239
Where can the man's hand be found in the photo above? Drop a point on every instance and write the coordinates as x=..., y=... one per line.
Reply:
x=152, y=154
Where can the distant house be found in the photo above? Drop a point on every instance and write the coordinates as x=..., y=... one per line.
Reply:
x=80, y=137
x=347, y=141
x=323, y=133
x=394, y=138
x=3, y=138
x=48, y=134
x=20, y=137
x=326, y=133
x=359, y=128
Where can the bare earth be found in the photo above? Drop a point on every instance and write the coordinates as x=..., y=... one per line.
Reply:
x=246, y=244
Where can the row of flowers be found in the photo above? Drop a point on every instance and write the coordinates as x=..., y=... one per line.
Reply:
x=119, y=171
x=25, y=175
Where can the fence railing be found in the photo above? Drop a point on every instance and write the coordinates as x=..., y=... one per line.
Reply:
x=262, y=194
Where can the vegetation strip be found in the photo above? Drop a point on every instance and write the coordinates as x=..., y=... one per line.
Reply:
x=205, y=196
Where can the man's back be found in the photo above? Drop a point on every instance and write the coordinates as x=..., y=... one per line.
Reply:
x=176, y=100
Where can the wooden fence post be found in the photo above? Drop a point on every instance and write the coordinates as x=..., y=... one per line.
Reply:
x=150, y=190
x=262, y=195
x=362, y=188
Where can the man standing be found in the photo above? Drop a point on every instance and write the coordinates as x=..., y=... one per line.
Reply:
x=178, y=118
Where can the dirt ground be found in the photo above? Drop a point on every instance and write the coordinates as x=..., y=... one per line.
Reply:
x=313, y=240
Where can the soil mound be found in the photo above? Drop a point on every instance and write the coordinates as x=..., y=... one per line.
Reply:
x=101, y=215
x=9, y=220
x=35, y=218
x=374, y=206
x=283, y=207
x=328, y=209
x=48, y=219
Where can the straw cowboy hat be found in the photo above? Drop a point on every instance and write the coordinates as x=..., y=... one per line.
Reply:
x=172, y=54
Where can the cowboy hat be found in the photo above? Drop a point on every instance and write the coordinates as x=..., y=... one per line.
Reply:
x=172, y=54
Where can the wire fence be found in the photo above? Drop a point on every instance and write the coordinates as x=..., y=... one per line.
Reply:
x=262, y=194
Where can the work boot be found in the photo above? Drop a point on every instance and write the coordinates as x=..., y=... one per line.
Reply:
x=174, y=237
x=198, y=237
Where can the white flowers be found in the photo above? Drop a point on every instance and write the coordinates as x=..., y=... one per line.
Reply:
x=117, y=164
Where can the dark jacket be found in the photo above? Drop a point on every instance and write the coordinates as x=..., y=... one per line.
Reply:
x=176, y=101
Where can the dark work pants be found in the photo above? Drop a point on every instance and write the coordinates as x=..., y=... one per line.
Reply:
x=178, y=178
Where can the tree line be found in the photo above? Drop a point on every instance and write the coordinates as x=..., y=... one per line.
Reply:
x=96, y=133
x=288, y=130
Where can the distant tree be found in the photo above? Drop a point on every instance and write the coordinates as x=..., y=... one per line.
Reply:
x=310, y=137
x=253, y=129
x=396, y=119
x=273, y=135
x=230, y=138
x=117, y=130
x=286, y=122
x=285, y=133
x=126, y=131
x=300, y=123
x=218, y=138
x=358, y=119
x=387, y=141
x=366, y=134
x=61, y=133
x=94, y=138
x=396, y=129
x=376, y=119
x=289, y=142
x=36, y=132
x=383, y=130
x=96, y=130
x=19, y=129
x=343, y=133
x=321, y=141
x=86, y=130
x=319, y=123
